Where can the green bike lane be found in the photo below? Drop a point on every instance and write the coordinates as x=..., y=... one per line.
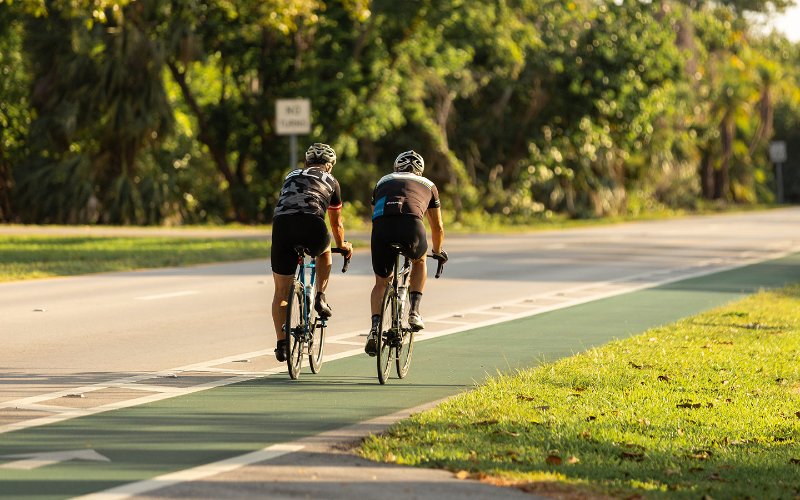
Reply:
x=183, y=432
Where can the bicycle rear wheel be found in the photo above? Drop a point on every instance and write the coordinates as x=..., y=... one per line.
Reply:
x=385, y=334
x=295, y=326
x=404, y=351
x=316, y=346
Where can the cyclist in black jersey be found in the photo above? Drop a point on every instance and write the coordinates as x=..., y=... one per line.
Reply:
x=401, y=200
x=299, y=220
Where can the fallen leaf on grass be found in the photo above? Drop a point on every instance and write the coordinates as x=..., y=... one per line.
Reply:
x=543, y=408
x=797, y=414
x=634, y=365
x=573, y=460
x=688, y=405
x=592, y=417
x=700, y=454
x=553, y=460
x=672, y=472
x=663, y=378
x=522, y=397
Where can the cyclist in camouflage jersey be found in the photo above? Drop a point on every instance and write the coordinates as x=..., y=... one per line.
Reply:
x=299, y=220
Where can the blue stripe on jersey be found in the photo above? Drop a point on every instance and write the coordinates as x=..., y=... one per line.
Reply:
x=379, y=205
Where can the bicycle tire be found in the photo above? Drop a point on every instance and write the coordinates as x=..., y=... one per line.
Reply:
x=384, y=332
x=316, y=346
x=294, y=330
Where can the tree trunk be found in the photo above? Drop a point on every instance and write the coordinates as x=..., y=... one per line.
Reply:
x=236, y=188
x=5, y=189
x=722, y=175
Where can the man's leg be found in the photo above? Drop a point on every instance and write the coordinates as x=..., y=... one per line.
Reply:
x=283, y=284
x=324, y=263
x=419, y=273
x=375, y=299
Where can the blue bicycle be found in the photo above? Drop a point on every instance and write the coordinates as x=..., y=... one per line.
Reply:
x=305, y=330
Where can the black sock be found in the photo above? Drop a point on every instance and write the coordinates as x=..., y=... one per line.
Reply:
x=416, y=298
x=320, y=296
x=376, y=318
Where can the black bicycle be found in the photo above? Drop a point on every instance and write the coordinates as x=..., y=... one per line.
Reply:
x=305, y=330
x=395, y=336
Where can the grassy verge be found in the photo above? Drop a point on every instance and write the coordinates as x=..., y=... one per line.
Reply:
x=30, y=257
x=708, y=407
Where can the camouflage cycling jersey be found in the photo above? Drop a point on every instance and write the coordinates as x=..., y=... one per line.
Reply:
x=309, y=190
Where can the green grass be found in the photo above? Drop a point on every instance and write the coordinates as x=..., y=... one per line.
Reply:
x=707, y=406
x=31, y=257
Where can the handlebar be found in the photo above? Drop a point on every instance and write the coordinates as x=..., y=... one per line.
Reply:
x=440, y=264
x=344, y=254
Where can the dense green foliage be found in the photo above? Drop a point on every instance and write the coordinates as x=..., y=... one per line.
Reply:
x=153, y=111
x=703, y=408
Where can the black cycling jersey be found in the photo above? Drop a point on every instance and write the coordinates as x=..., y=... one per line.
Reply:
x=404, y=193
x=309, y=190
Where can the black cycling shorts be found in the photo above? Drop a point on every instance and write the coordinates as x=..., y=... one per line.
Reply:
x=405, y=230
x=289, y=231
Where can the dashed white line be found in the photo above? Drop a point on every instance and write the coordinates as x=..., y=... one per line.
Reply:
x=168, y=295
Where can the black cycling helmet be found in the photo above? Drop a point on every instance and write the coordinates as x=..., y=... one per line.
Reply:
x=410, y=161
x=320, y=154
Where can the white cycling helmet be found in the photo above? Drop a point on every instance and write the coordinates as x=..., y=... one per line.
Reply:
x=319, y=154
x=410, y=161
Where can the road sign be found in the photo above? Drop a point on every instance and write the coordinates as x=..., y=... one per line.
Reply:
x=293, y=116
x=777, y=151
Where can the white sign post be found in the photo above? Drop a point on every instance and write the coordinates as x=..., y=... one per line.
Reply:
x=777, y=155
x=293, y=117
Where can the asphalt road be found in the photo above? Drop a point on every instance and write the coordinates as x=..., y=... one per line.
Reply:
x=76, y=349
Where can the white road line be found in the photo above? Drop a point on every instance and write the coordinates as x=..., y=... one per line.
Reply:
x=446, y=322
x=153, y=388
x=168, y=295
x=46, y=408
x=193, y=474
x=345, y=342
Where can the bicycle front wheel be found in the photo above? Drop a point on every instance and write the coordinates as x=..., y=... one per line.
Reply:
x=386, y=334
x=295, y=330
x=316, y=346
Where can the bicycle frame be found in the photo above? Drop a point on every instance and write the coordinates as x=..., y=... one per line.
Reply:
x=306, y=335
x=311, y=265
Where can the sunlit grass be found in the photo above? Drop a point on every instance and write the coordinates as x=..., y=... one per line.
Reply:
x=31, y=257
x=707, y=406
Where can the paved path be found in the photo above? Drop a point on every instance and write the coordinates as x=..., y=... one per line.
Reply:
x=152, y=419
